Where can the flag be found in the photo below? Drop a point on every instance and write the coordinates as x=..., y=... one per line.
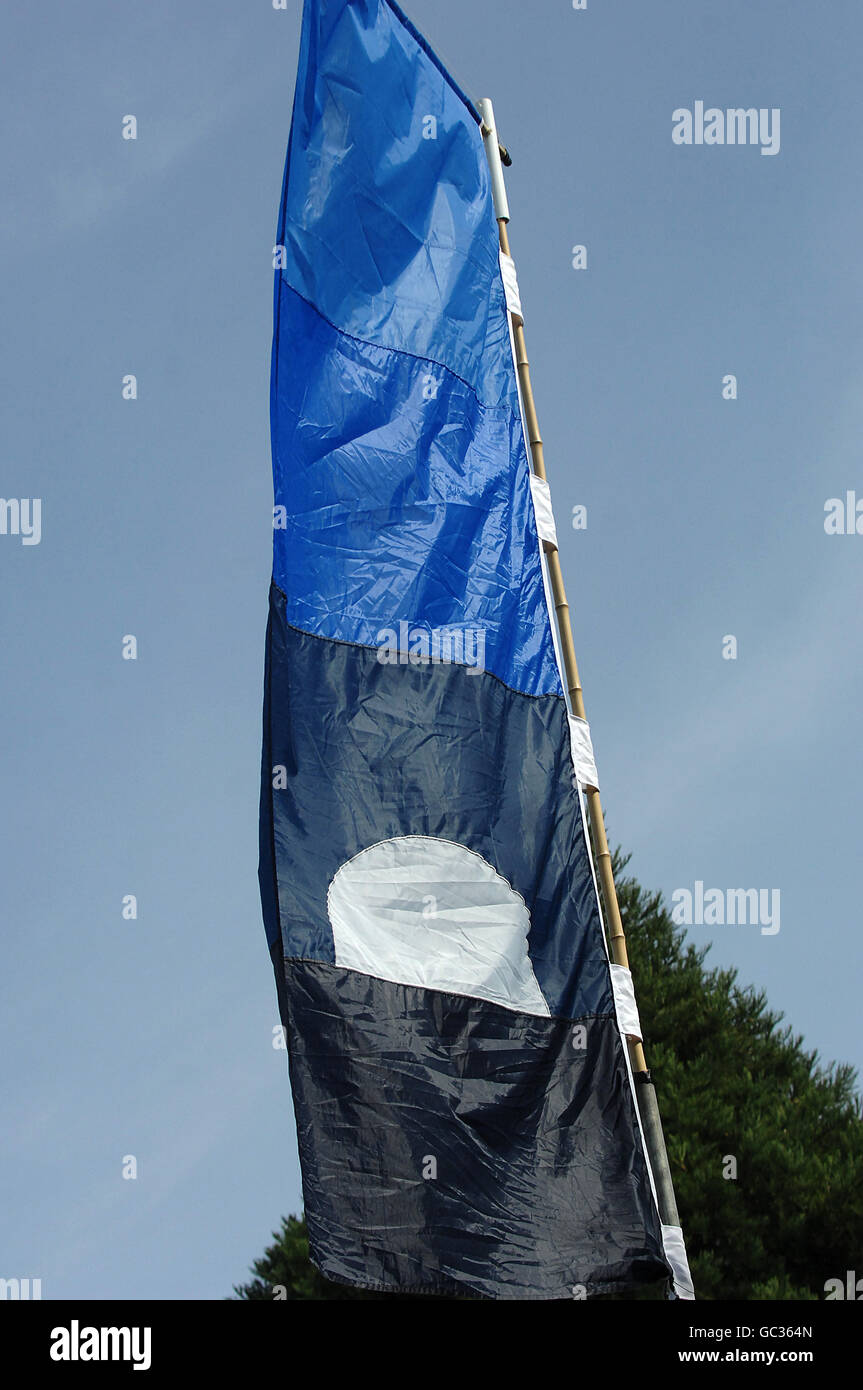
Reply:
x=465, y=1109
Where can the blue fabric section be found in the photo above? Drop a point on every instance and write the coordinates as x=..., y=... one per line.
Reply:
x=399, y=460
x=397, y=509
x=427, y=48
x=391, y=234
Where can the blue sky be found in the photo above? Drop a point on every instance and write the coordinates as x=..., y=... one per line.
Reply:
x=705, y=518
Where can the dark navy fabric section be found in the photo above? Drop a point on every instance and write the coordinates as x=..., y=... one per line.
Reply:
x=452, y=1146
x=266, y=847
x=402, y=508
x=373, y=751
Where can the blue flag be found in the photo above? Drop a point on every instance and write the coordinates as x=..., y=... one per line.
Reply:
x=465, y=1110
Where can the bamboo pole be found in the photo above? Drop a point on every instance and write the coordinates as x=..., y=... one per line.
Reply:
x=648, y=1108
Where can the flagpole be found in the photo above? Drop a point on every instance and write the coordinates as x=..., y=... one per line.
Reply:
x=647, y=1104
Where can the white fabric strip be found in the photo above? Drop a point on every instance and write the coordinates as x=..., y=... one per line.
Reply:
x=541, y=494
x=510, y=284
x=675, y=1253
x=626, y=1057
x=624, y=1002
x=582, y=752
x=673, y=1245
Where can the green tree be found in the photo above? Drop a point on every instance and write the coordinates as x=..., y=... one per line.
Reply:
x=285, y=1271
x=738, y=1092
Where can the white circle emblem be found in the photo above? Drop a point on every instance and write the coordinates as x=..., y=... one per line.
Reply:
x=419, y=910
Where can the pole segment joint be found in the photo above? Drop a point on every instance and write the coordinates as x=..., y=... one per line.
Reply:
x=495, y=163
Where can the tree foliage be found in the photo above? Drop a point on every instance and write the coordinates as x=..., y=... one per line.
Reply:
x=734, y=1083
x=738, y=1093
